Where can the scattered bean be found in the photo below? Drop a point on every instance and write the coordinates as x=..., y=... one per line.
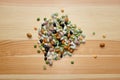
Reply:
x=38, y=51
x=72, y=62
x=35, y=46
x=102, y=45
x=104, y=36
x=35, y=28
x=62, y=10
x=29, y=35
x=93, y=33
x=38, y=19
x=95, y=57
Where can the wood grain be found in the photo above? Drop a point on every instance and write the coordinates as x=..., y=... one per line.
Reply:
x=61, y=77
x=16, y=21
x=26, y=47
x=34, y=65
x=18, y=58
x=52, y=2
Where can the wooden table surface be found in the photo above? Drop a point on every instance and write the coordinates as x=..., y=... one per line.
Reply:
x=19, y=60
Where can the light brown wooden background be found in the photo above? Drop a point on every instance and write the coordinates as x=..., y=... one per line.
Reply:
x=19, y=58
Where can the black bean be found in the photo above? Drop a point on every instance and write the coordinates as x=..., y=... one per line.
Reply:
x=42, y=25
x=71, y=32
x=66, y=23
x=62, y=25
x=54, y=24
x=54, y=31
x=55, y=45
x=61, y=55
x=45, y=54
x=41, y=40
x=58, y=39
x=46, y=48
x=60, y=43
x=45, y=58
